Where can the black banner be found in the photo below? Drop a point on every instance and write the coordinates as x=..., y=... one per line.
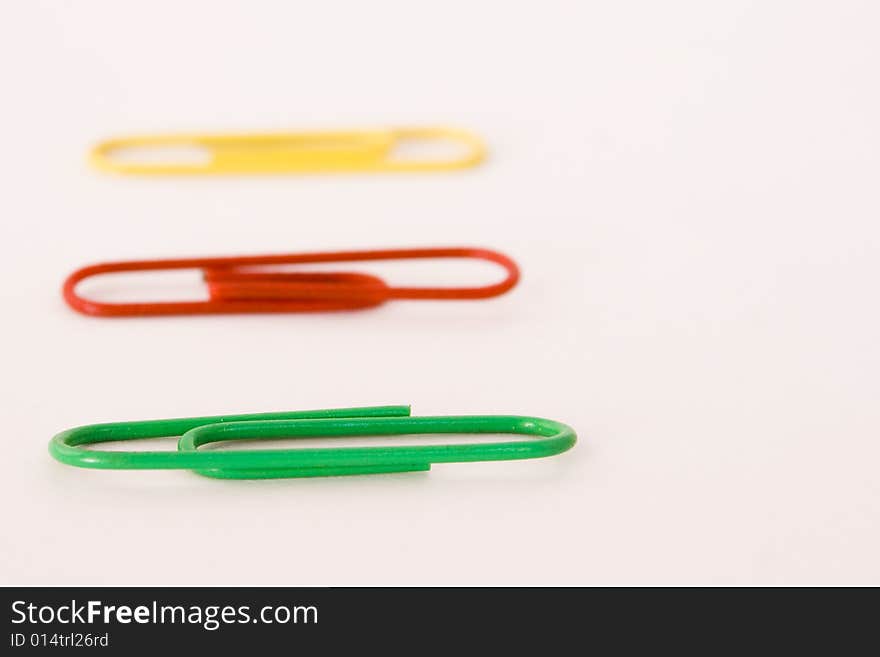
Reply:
x=394, y=620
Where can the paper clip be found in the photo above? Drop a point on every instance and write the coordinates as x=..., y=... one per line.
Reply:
x=306, y=152
x=248, y=285
x=550, y=438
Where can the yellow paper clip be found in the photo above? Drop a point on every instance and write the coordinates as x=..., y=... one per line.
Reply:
x=306, y=152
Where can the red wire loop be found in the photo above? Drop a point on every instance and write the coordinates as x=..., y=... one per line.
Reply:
x=233, y=287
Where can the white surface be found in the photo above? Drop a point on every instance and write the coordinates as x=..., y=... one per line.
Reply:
x=690, y=187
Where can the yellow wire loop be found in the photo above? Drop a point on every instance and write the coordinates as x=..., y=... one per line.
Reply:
x=305, y=152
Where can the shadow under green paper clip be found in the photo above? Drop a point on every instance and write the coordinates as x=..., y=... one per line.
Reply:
x=550, y=438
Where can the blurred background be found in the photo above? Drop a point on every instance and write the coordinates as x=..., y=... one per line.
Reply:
x=689, y=187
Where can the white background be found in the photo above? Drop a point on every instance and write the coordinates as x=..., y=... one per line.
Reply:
x=691, y=189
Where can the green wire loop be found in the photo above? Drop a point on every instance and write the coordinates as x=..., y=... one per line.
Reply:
x=68, y=446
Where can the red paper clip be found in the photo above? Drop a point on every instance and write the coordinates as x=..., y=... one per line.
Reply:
x=235, y=287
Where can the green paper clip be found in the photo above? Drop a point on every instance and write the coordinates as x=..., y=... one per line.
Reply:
x=550, y=438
